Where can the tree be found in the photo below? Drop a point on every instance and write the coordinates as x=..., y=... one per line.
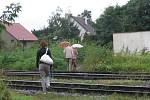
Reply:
x=59, y=26
x=137, y=15
x=62, y=27
x=8, y=16
x=132, y=17
x=108, y=23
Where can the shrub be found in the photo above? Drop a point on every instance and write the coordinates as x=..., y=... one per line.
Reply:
x=102, y=59
x=4, y=93
x=95, y=57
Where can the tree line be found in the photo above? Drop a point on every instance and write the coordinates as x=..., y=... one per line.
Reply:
x=131, y=17
x=8, y=16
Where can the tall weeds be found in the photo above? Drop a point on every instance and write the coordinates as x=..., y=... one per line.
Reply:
x=4, y=93
x=101, y=59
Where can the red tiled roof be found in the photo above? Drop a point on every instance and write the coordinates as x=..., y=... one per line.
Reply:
x=19, y=32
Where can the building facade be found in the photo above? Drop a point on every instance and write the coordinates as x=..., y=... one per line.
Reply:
x=15, y=34
x=82, y=24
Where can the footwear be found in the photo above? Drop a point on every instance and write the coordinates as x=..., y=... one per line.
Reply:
x=44, y=93
x=48, y=88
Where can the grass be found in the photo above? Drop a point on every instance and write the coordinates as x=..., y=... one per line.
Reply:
x=60, y=96
x=49, y=96
x=26, y=60
x=102, y=59
x=108, y=82
x=90, y=58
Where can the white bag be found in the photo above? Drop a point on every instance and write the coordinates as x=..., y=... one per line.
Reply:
x=46, y=58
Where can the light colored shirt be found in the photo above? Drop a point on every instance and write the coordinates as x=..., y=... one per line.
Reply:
x=68, y=52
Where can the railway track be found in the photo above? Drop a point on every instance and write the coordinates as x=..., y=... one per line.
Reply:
x=84, y=75
x=98, y=72
x=80, y=87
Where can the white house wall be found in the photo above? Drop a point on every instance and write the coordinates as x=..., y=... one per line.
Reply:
x=130, y=42
x=9, y=40
x=146, y=39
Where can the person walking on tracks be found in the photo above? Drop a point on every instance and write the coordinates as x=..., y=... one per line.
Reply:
x=68, y=54
x=74, y=59
x=44, y=68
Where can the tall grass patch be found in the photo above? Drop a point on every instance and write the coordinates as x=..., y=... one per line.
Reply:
x=90, y=58
x=4, y=93
x=102, y=59
x=20, y=59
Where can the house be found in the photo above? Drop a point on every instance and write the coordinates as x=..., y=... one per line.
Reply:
x=82, y=24
x=15, y=34
x=131, y=42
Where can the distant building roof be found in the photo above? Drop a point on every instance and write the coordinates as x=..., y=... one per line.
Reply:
x=19, y=32
x=87, y=27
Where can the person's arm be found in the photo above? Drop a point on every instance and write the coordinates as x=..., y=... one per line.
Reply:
x=49, y=53
x=64, y=52
x=76, y=52
x=37, y=59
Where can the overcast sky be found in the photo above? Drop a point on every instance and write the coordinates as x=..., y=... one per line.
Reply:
x=35, y=13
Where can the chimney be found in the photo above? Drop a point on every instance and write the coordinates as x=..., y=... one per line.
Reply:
x=67, y=16
x=86, y=20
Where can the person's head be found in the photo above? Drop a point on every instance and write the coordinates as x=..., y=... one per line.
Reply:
x=43, y=43
x=69, y=44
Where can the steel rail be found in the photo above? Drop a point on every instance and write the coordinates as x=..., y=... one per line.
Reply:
x=80, y=87
x=96, y=72
x=79, y=75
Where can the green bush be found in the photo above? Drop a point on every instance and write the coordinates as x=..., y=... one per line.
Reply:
x=58, y=57
x=4, y=93
x=90, y=58
x=95, y=57
x=26, y=60
x=102, y=59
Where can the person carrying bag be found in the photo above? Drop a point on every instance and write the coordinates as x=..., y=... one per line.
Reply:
x=44, y=63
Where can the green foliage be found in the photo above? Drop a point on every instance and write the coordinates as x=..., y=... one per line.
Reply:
x=1, y=27
x=101, y=59
x=58, y=57
x=8, y=16
x=107, y=24
x=58, y=26
x=10, y=13
x=66, y=30
x=18, y=59
x=90, y=58
x=7, y=59
x=137, y=15
x=26, y=60
x=4, y=93
x=132, y=17
x=56, y=96
x=95, y=57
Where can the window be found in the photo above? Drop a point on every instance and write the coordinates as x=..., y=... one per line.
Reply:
x=12, y=41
